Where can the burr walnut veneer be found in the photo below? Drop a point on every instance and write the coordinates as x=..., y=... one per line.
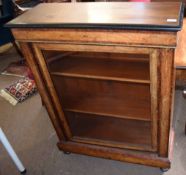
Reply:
x=105, y=72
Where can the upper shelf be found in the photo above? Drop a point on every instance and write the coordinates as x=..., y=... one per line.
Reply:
x=110, y=15
x=103, y=66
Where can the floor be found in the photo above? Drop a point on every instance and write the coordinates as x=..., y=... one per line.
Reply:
x=29, y=130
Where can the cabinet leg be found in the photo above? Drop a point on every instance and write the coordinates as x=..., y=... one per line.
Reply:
x=66, y=152
x=163, y=170
x=184, y=92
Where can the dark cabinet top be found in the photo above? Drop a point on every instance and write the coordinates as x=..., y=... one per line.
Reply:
x=103, y=15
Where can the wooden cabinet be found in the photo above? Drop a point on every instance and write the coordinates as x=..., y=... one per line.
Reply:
x=106, y=75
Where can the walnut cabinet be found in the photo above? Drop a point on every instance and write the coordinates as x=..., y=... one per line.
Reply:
x=106, y=75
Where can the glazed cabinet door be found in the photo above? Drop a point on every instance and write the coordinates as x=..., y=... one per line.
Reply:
x=104, y=95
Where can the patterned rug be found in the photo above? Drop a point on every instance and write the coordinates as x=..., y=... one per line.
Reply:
x=19, y=91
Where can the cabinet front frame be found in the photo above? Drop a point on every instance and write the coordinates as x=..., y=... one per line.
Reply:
x=153, y=60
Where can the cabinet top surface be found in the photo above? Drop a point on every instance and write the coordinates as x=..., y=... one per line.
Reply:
x=103, y=15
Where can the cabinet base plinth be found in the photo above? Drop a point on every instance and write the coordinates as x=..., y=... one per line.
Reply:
x=144, y=158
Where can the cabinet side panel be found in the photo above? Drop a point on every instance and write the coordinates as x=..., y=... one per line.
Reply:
x=166, y=89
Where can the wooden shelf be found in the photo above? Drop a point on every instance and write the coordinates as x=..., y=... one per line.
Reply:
x=115, y=67
x=106, y=114
x=120, y=132
x=116, y=99
x=100, y=77
x=112, y=107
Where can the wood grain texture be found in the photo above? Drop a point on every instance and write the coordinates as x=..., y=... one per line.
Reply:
x=99, y=37
x=166, y=83
x=133, y=133
x=113, y=144
x=120, y=67
x=143, y=158
x=88, y=47
x=180, y=53
x=164, y=56
x=154, y=67
x=26, y=49
x=115, y=99
x=114, y=15
x=180, y=58
x=103, y=102
x=51, y=89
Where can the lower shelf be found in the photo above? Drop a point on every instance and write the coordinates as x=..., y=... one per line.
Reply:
x=114, y=132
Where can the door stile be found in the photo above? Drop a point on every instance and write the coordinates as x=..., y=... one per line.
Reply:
x=52, y=91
